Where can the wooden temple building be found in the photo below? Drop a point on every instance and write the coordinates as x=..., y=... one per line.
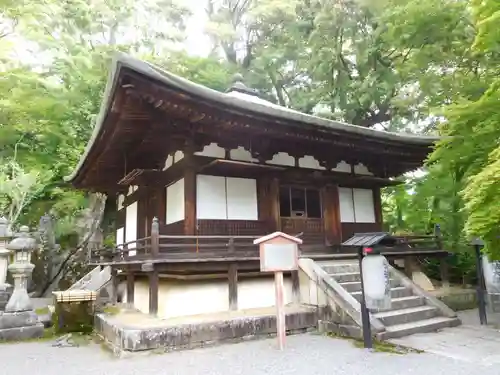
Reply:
x=198, y=175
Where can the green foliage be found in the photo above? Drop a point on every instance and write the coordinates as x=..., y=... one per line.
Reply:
x=470, y=148
x=18, y=188
x=419, y=66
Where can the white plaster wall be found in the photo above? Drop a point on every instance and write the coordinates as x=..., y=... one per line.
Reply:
x=356, y=205
x=255, y=293
x=241, y=199
x=168, y=162
x=175, y=202
x=213, y=150
x=282, y=158
x=364, y=206
x=182, y=298
x=346, y=205
x=226, y=198
x=120, y=238
x=179, y=155
x=242, y=155
x=211, y=197
x=343, y=167
x=119, y=201
x=308, y=161
x=361, y=169
x=131, y=226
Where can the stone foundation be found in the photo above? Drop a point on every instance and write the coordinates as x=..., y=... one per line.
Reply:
x=17, y=326
x=122, y=338
x=459, y=299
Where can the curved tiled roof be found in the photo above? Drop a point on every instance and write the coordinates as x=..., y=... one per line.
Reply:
x=234, y=99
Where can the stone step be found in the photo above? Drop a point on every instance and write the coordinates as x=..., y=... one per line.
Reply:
x=355, y=286
x=396, y=292
x=346, y=277
x=421, y=326
x=411, y=314
x=405, y=303
x=336, y=268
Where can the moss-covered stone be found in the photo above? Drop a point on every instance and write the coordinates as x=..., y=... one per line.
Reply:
x=42, y=311
x=73, y=317
x=111, y=310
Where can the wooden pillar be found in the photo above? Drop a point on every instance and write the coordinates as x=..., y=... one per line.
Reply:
x=274, y=199
x=232, y=276
x=410, y=263
x=331, y=214
x=377, y=202
x=114, y=286
x=444, y=270
x=189, y=191
x=130, y=288
x=295, y=287
x=142, y=212
x=153, y=273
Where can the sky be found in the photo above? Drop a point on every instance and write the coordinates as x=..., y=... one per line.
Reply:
x=197, y=42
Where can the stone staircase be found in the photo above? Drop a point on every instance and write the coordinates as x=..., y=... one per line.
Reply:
x=412, y=310
x=96, y=280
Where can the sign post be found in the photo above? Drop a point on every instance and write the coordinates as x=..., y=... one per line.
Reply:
x=278, y=253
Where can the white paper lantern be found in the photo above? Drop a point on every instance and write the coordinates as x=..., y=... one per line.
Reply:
x=376, y=280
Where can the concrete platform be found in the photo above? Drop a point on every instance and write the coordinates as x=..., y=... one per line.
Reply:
x=132, y=331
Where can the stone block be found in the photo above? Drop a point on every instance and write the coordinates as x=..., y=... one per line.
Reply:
x=22, y=333
x=18, y=319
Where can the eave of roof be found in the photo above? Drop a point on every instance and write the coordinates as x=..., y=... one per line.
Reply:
x=154, y=73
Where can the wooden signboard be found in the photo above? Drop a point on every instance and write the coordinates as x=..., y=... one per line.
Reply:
x=278, y=253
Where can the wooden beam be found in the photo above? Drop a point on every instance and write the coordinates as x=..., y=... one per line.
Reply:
x=153, y=275
x=274, y=196
x=444, y=271
x=410, y=265
x=336, y=221
x=330, y=217
x=114, y=285
x=189, y=191
x=232, y=276
x=377, y=201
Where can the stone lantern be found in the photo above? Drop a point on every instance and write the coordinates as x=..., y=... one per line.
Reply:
x=22, y=246
x=5, y=289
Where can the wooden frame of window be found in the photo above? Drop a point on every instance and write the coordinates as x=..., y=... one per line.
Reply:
x=305, y=189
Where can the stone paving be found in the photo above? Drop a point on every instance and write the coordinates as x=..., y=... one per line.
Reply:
x=469, y=342
x=307, y=354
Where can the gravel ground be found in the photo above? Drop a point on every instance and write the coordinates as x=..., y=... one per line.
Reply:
x=304, y=354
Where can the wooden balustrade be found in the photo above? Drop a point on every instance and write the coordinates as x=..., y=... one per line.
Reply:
x=178, y=247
